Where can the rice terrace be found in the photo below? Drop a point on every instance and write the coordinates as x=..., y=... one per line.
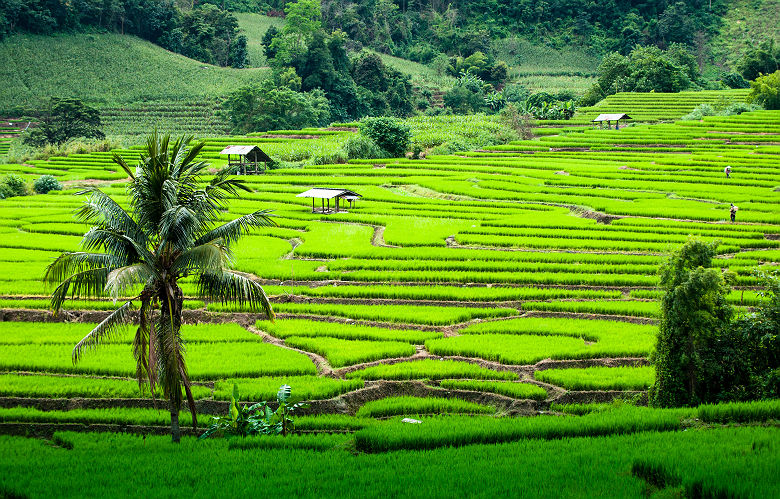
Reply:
x=301, y=258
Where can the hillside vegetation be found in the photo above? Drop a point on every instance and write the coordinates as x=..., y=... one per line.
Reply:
x=106, y=69
x=745, y=24
x=254, y=27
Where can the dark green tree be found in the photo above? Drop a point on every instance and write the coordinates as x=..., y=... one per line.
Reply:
x=269, y=107
x=765, y=91
x=392, y=135
x=763, y=59
x=693, y=313
x=268, y=39
x=65, y=119
x=173, y=230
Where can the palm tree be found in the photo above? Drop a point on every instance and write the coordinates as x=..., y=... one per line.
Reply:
x=171, y=232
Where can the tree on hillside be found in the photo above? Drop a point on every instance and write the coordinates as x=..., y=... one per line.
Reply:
x=765, y=91
x=763, y=59
x=65, y=119
x=171, y=232
x=694, y=313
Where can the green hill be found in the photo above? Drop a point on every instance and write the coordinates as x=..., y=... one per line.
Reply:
x=745, y=24
x=106, y=69
x=254, y=27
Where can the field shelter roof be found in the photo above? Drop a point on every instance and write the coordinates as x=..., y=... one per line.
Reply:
x=328, y=193
x=612, y=117
x=252, y=153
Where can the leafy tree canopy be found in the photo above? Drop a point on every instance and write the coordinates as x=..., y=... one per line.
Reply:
x=65, y=119
x=765, y=91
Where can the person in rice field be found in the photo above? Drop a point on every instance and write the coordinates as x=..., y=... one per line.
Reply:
x=733, y=211
x=727, y=171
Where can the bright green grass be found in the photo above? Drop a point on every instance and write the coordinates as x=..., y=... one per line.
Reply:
x=600, y=378
x=507, y=348
x=623, y=307
x=538, y=338
x=16, y=385
x=730, y=462
x=514, y=390
x=147, y=417
x=19, y=333
x=396, y=313
x=430, y=369
x=342, y=353
x=106, y=68
x=204, y=360
x=315, y=329
x=303, y=387
x=393, y=406
x=457, y=431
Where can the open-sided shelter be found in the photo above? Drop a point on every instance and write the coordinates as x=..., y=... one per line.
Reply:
x=325, y=194
x=609, y=118
x=246, y=158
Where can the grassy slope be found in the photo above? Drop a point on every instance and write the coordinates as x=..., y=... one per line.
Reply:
x=745, y=24
x=254, y=27
x=106, y=69
x=545, y=69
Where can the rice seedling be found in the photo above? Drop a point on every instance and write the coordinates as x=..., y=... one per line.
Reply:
x=393, y=406
x=600, y=378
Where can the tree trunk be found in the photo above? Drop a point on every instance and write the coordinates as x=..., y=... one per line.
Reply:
x=175, y=430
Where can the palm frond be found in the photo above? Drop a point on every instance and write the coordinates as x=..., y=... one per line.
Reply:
x=232, y=231
x=70, y=263
x=124, y=278
x=123, y=165
x=208, y=257
x=85, y=284
x=109, y=327
x=178, y=227
x=100, y=208
x=230, y=287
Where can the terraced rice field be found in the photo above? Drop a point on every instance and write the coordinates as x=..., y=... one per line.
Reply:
x=656, y=106
x=511, y=281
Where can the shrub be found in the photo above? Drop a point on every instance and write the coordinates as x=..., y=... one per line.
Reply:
x=392, y=135
x=46, y=183
x=734, y=80
x=12, y=185
x=361, y=147
x=765, y=91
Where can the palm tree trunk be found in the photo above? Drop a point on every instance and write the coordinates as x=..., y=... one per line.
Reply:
x=175, y=430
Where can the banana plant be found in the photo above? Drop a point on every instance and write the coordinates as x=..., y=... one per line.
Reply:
x=256, y=419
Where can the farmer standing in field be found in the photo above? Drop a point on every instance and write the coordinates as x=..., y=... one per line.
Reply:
x=727, y=171
x=733, y=212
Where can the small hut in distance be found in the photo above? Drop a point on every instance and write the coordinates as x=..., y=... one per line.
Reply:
x=609, y=118
x=326, y=194
x=246, y=159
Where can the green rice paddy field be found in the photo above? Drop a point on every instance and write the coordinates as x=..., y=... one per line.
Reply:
x=495, y=295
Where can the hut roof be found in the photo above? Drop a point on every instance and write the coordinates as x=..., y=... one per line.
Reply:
x=253, y=153
x=328, y=193
x=612, y=117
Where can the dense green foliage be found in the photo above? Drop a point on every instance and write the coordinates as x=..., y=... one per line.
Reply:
x=422, y=30
x=65, y=119
x=205, y=33
x=391, y=135
x=766, y=91
x=693, y=311
x=46, y=183
x=702, y=355
x=763, y=59
x=644, y=69
x=272, y=107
